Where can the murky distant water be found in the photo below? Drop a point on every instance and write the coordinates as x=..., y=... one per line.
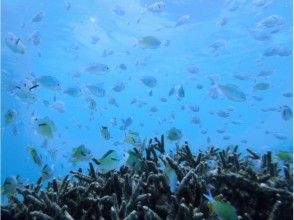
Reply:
x=210, y=72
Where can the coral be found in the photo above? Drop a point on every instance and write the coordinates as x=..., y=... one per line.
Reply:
x=256, y=192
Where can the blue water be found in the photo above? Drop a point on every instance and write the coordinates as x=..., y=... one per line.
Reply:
x=221, y=49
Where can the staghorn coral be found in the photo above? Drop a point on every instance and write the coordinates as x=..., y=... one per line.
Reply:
x=129, y=194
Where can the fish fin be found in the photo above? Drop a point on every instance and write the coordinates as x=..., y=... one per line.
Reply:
x=17, y=41
x=208, y=196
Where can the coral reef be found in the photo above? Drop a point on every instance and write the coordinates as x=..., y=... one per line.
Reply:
x=263, y=192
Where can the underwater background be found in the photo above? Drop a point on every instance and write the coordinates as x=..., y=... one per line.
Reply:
x=95, y=73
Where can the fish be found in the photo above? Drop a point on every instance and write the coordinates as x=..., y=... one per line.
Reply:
x=195, y=120
x=107, y=52
x=156, y=7
x=180, y=91
x=257, y=98
x=132, y=138
x=271, y=21
x=92, y=104
x=38, y=17
x=118, y=87
x=226, y=137
x=174, y=134
x=112, y=101
x=94, y=39
x=10, y=116
x=37, y=159
x=288, y=94
x=277, y=51
x=25, y=92
x=285, y=156
x=105, y=132
x=149, y=42
x=223, y=114
x=260, y=3
x=222, y=21
x=232, y=92
x=163, y=99
x=193, y=69
x=244, y=141
x=185, y=19
x=97, y=90
x=172, y=91
x=127, y=122
x=279, y=136
x=133, y=160
x=194, y=108
x=35, y=37
x=220, y=130
x=199, y=86
x=97, y=68
x=109, y=161
x=242, y=76
x=45, y=127
x=138, y=102
x=53, y=153
x=286, y=112
x=223, y=210
x=123, y=66
x=172, y=178
x=14, y=43
x=74, y=91
x=113, y=121
x=217, y=46
x=80, y=153
x=177, y=90
x=49, y=82
x=58, y=106
x=118, y=10
x=153, y=109
x=265, y=73
x=150, y=92
x=67, y=5
x=261, y=86
x=149, y=81
x=47, y=172
x=9, y=186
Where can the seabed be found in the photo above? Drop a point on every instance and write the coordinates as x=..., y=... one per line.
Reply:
x=261, y=191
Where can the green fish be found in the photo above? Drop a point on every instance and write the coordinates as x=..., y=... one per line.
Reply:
x=35, y=156
x=133, y=160
x=172, y=178
x=285, y=156
x=132, y=138
x=47, y=172
x=222, y=209
x=109, y=161
x=45, y=127
x=80, y=153
x=9, y=186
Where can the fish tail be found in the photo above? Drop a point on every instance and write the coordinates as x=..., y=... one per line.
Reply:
x=208, y=196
